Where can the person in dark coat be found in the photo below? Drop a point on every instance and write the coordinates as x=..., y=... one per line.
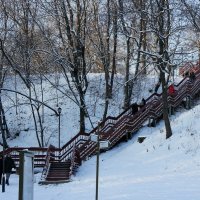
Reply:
x=143, y=102
x=158, y=84
x=157, y=87
x=134, y=108
x=192, y=76
x=186, y=74
x=9, y=164
x=1, y=167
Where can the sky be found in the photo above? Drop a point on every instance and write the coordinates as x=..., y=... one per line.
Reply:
x=157, y=169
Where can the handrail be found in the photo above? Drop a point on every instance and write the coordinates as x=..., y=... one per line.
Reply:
x=39, y=154
x=67, y=148
x=102, y=124
x=48, y=158
x=112, y=128
x=75, y=160
x=155, y=109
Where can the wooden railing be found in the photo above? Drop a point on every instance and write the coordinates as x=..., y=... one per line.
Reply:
x=75, y=160
x=112, y=129
x=39, y=154
x=153, y=108
x=50, y=156
x=78, y=140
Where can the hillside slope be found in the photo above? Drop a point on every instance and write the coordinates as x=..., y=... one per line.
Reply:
x=157, y=169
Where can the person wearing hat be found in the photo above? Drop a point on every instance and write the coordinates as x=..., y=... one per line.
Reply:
x=134, y=108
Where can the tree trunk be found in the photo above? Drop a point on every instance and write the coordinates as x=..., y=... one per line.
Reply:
x=127, y=81
x=115, y=30
x=82, y=114
x=165, y=106
x=163, y=59
x=3, y=121
x=34, y=118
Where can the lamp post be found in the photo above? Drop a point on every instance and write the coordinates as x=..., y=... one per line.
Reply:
x=97, y=167
x=100, y=145
x=95, y=138
x=59, y=112
x=3, y=174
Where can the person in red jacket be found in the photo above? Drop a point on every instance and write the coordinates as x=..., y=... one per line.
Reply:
x=171, y=89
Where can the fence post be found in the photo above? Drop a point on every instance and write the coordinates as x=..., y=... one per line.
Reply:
x=152, y=122
x=171, y=110
x=188, y=102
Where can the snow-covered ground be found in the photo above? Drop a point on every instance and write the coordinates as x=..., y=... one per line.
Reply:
x=157, y=169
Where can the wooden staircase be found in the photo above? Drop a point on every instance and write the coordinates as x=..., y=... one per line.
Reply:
x=59, y=164
x=59, y=172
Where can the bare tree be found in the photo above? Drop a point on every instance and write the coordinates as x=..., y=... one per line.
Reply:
x=160, y=29
x=67, y=47
x=104, y=43
x=3, y=69
x=191, y=10
x=161, y=26
x=128, y=24
x=21, y=56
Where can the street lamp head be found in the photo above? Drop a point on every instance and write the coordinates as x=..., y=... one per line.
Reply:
x=59, y=110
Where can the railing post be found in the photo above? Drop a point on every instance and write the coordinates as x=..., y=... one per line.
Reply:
x=130, y=134
x=171, y=110
x=188, y=102
x=152, y=122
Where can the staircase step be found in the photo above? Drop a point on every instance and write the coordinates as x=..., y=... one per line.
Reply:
x=58, y=174
x=57, y=178
x=54, y=182
x=62, y=166
x=59, y=170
